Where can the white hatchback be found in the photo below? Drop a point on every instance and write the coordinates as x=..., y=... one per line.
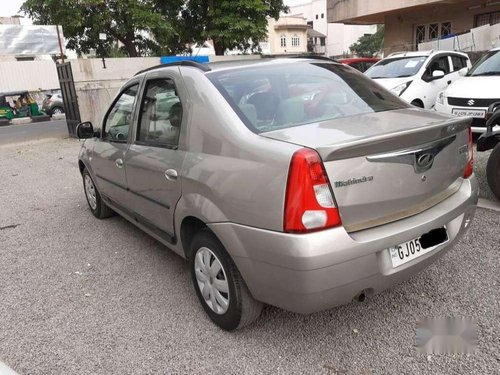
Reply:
x=474, y=93
x=418, y=77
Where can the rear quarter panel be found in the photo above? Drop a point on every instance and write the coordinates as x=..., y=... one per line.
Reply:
x=230, y=174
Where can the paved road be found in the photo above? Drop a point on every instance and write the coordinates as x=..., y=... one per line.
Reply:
x=33, y=131
x=82, y=296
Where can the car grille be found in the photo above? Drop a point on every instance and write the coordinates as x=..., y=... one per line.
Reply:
x=471, y=102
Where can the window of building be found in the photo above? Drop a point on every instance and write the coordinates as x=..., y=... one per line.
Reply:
x=310, y=24
x=419, y=34
x=161, y=114
x=322, y=41
x=295, y=40
x=317, y=16
x=283, y=40
x=445, y=29
x=487, y=19
x=433, y=31
x=322, y=15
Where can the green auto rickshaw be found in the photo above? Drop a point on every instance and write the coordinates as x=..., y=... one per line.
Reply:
x=17, y=104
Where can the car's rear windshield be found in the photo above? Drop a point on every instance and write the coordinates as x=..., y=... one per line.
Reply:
x=396, y=67
x=278, y=96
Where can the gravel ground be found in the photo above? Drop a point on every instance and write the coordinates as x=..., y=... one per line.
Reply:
x=78, y=295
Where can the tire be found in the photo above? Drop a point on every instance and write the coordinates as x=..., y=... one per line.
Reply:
x=417, y=103
x=98, y=208
x=493, y=171
x=57, y=111
x=241, y=309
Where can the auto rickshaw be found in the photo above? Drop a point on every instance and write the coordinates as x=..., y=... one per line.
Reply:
x=490, y=140
x=9, y=110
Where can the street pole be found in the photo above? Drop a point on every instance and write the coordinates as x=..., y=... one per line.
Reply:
x=60, y=43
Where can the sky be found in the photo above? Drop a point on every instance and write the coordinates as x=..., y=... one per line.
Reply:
x=10, y=7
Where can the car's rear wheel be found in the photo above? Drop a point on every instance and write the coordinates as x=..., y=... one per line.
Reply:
x=219, y=285
x=98, y=208
x=493, y=171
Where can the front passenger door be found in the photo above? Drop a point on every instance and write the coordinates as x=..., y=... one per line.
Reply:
x=109, y=151
x=434, y=86
x=154, y=159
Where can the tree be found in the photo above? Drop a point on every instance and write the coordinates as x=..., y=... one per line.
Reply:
x=142, y=27
x=229, y=23
x=369, y=45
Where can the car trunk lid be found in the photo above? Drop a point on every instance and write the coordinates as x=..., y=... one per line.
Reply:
x=388, y=165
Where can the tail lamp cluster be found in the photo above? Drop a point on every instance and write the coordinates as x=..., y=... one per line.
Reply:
x=309, y=203
x=469, y=168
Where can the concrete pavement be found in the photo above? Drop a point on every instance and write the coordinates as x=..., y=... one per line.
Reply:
x=33, y=131
x=85, y=296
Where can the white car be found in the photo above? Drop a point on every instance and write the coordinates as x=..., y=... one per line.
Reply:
x=474, y=93
x=418, y=77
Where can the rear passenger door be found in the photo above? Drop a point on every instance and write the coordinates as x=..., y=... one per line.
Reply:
x=154, y=158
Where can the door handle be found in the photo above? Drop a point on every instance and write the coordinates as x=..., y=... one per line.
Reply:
x=171, y=174
x=119, y=163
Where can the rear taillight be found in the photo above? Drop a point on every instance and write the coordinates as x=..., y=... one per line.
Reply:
x=470, y=159
x=309, y=203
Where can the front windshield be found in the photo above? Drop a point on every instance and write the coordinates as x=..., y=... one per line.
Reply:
x=488, y=65
x=396, y=67
x=278, y=96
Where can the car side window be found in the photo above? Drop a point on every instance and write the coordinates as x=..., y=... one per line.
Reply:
x=439, y=63
x=458, y=62
x=161, y=113
x=119, y=119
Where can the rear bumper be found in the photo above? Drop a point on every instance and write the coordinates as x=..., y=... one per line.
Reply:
x=317, y=271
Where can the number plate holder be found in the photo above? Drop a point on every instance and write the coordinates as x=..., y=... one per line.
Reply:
x=410, y=250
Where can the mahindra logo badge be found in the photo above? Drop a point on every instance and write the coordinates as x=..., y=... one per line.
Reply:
x=425, y=161
x=471, y=102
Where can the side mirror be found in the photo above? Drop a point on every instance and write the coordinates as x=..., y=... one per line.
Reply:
x=437, y=74
x=85, y=130
x=462, y=72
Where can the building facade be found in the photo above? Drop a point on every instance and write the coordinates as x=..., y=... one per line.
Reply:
x=337, y=36
x=411, y=22
x=287, y=35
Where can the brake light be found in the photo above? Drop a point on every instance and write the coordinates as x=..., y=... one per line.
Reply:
x=470, y=159
x=309, y=204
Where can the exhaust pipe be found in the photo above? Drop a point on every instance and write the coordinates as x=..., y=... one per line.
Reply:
x=361, y=297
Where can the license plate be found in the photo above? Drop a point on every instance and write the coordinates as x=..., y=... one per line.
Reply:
x=407, y=251
x=469, y=112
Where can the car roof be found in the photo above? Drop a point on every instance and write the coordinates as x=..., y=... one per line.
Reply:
x=423, y=53
x=13, y=93
x=241, y=63
x=358, y=59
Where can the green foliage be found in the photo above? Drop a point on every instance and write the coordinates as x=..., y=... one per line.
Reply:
x=142, y=26
x=369, y=45
x=156, y=27
x=229, y=23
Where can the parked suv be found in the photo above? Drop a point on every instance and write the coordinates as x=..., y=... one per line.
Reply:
x=298, y=183
x=418, y=77
x=474, y=93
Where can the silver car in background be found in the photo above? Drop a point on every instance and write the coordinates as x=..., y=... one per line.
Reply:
x=298, y=183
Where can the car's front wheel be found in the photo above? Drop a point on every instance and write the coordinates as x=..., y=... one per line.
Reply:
x=219, y=285
x=98, y=208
